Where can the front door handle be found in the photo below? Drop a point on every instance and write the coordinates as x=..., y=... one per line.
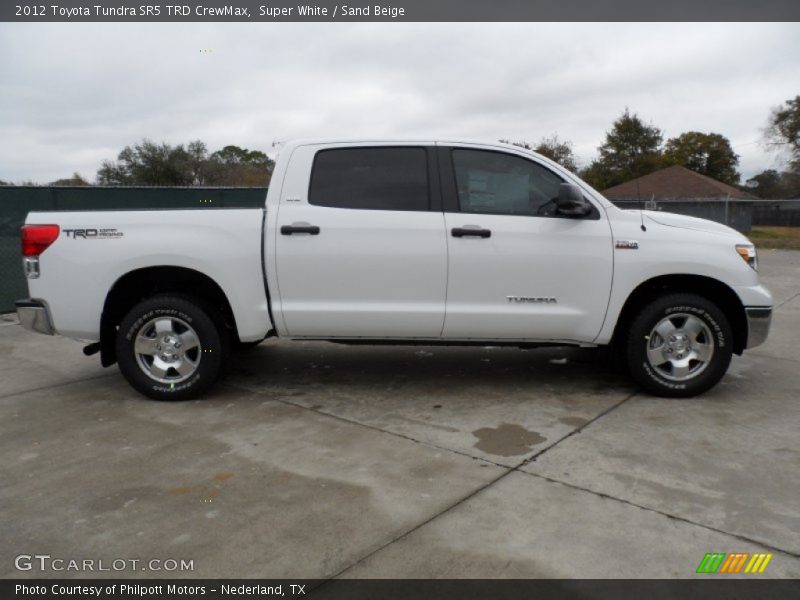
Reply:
x=471, y=232
x=299, y=228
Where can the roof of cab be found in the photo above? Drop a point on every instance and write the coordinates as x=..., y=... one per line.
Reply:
x=395, y=140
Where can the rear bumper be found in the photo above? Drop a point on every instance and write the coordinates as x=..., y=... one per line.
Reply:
x=759, y=320
x=34, y=315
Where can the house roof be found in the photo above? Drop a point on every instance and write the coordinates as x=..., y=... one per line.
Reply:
x=672, y=183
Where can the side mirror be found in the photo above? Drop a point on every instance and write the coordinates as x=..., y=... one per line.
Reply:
x=571, y=201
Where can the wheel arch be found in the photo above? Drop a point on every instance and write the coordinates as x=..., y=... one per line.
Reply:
x=139, y=284
x=712, y=289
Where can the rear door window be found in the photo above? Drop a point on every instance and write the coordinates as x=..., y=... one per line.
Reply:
x=382, y=178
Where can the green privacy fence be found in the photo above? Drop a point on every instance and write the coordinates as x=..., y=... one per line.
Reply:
x=17, y=201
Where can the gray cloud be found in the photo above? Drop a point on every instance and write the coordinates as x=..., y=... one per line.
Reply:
x=72, y=95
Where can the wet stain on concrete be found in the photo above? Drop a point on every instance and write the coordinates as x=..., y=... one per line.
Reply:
x=506, y=440
x=574, y=421
x=223, y=476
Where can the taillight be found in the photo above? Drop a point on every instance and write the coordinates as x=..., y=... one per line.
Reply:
x=37, y=238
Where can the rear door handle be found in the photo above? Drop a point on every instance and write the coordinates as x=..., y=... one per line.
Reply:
x=470, y=232
x=299, y=228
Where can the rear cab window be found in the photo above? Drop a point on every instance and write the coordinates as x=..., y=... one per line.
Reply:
x=375, y=178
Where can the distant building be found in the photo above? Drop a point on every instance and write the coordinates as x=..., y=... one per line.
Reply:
x=674, y=183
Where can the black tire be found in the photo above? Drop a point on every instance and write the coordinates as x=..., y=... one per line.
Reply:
x=669, y=379
x=205, y=360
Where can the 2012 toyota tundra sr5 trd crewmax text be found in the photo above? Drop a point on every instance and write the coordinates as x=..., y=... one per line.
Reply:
x=410, y=242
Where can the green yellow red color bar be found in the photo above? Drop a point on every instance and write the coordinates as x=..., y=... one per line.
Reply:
x=720, y=562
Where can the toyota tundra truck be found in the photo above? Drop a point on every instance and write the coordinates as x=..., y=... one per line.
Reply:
x=422, y=242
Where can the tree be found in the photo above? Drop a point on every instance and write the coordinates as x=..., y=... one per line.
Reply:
x=631, y=149
x=783, y=129
x=148, y=163
x=710, y=154
x=766, y=184
x=239, y=166
x=233, y=155
x=554, y=148
x=197, y=163
x=558, y=150
x=772, y=184
x=783, y=134
x=76, y=179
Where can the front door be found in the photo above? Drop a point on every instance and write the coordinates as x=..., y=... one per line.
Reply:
x=517, y=269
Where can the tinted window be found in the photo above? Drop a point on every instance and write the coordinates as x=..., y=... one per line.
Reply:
x=371, y=178
x=498, y=183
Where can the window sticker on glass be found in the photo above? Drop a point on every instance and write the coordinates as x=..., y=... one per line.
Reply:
x=486, y=188
x=499, y=183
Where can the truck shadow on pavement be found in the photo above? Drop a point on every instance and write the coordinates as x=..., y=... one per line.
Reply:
x=300, y=368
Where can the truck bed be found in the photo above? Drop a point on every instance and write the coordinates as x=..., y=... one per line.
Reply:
x=95, y=248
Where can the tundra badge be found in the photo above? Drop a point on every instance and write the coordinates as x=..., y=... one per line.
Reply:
x=533, y=299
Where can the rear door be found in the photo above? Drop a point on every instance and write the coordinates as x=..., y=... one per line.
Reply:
x=360, y=243
x=518, y=269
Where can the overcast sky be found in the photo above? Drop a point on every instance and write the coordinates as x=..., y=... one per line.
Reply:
x=74, y=94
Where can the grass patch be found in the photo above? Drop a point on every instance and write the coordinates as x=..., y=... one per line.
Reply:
x=783, y=238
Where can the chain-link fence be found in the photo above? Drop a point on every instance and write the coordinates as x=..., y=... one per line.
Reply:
x=781, y=213
x=734, y=213
x=742, y=215
x=17, y=201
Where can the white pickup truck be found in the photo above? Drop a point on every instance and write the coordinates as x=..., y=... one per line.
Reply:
x=424, y=242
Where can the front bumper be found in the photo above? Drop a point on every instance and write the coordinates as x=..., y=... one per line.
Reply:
x=758, y=322
x=34, y=315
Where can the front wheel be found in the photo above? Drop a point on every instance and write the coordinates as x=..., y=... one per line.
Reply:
x=171, y=348
x=679, y=346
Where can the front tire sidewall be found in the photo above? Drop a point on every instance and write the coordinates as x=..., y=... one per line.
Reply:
x=211, y=341
x=654, y=382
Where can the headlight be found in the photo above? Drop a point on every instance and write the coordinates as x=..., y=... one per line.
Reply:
x=748, y=254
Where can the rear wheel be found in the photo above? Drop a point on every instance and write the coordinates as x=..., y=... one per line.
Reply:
x=679, y=346
x=171, y=348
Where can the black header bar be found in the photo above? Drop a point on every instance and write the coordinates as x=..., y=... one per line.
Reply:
x=400, y=11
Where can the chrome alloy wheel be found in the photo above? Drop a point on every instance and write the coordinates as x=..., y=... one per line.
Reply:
x=680, y=347
x=167, y=350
